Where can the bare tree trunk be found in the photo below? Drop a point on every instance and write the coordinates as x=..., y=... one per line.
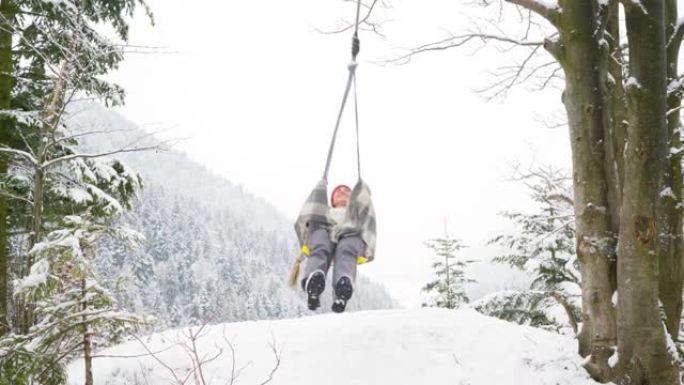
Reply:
x=596, y=166
x=584, y=63
x=25, y=310
x=7, y=13
x=36, y=211
x=668, y=213
x=644, y=357
x=49, y=117
x=87, y=339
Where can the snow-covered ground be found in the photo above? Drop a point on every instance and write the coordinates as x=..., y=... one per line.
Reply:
x=394, y=347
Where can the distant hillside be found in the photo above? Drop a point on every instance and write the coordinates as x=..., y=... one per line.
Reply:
x=213, y=252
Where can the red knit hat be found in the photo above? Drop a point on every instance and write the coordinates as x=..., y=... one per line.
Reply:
x=335, y=190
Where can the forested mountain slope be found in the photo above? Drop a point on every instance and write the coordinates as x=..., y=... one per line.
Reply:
x=213, y=252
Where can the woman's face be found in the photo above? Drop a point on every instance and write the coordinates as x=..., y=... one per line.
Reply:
x=341, y=197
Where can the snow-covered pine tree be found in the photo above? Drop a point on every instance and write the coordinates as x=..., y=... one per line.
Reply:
x=41, y=43
x=543, y=244
x=448, y=288
x=527, y=307
x=72, y=312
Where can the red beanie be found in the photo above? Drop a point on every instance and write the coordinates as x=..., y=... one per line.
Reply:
x=335, y=190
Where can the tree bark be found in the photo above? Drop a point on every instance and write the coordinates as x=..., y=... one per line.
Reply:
x=87, y=339
x=50, y=120
x=584, y=62
x=7, y=13
x=645, y=356
x=668, y=211
x=615, y=125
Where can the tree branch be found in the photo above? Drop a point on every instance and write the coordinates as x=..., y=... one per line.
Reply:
x=675, y=40
x=458, y=41
x=568, y=309
x=276, y=353
x=550, y=13
x=17, y=197
x=631, y=4
x=23, y=154
x=162, y=363
x=100, y=155
x=363, y=20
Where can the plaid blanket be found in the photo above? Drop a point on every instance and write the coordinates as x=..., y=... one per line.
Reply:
x=359, y=217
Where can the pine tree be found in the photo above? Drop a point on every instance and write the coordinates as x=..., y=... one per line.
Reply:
x=50, y=52
x=542, y=244
x=71, y=311
x=527, y=307
x=449, y=286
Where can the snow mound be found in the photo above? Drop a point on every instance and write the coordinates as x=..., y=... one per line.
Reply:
x=394, y=347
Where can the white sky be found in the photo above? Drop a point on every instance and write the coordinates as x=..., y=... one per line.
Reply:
x=255, y=90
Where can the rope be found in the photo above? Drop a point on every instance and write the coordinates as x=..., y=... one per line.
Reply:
x=351, y=80
x=356, y=47
x=352, y=70
x=358, y=146
x=358, y=14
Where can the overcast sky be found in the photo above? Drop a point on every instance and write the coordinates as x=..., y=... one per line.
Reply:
x=255, y=90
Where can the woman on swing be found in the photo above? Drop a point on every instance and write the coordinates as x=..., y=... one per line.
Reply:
x=346, y=252
x=342, y=234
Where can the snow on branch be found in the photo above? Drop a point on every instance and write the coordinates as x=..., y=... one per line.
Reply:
x=127, y=148
x=675, y=40
x=631, y=4
x=24, y=154
x=550, y=12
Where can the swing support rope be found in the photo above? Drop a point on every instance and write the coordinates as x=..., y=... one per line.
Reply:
x=351, y=81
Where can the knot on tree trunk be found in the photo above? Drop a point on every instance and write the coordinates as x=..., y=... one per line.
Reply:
x=643, y=229
x=643, y=156
x=589, y=109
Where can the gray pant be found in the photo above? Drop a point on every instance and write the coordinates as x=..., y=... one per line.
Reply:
x=322, y=251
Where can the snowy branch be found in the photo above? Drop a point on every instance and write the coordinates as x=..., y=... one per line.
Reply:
x=17, y=197
x=21, y=153
x=560, y=298
x=562, y=197
x=631, y=4
x=675, y=40
x=87, y=133
x=102, y=154
x=133, y=356
x=674, y=110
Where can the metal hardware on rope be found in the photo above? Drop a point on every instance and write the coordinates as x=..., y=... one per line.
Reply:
x=356, y=44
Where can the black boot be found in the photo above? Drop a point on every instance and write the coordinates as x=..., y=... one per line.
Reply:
x=314, y=286
x=343, y=292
